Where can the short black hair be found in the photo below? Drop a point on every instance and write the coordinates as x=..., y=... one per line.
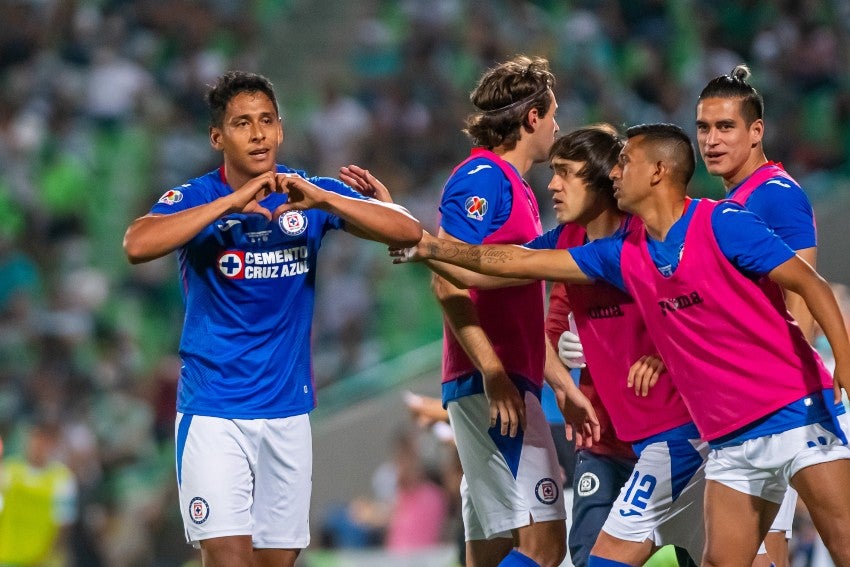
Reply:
x=231, y=84
x=598, y=146
x=735, y=85
x=674, y=142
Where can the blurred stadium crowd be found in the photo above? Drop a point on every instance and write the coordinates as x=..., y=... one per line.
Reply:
x=101, y=111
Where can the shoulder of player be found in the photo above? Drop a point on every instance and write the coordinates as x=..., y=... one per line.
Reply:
x=783, y=183
x=477, y=177
x=194, y=190
x=480, y=169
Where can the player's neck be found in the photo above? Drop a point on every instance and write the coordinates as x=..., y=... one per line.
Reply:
x=518, y=157
x=755, y=161
x=232, y=177
x=659, y=219
x=604, y=224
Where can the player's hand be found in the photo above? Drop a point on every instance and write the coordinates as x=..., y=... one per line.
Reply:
x=414, y=253
x=247, y=198
x=570, y=350
x=302, y=193
x=580, y=418
x=644, y=373
x=507, y=407
x=425, y=410
x=364, y=183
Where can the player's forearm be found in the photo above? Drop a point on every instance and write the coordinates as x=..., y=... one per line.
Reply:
x=825, y=310
x=460, y=315
x=384, y=222
x=555, y=373
x=795, y=303
x=464, y=279
x=799, y=277
x=153, y=236
x=505, y=260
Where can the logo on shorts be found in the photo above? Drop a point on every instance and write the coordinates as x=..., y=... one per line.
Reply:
x=588, y=484
x=199, y=510
x=292, y=223
x=546, y=491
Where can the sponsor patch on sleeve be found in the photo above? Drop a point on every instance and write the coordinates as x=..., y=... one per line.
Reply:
x=476, y=207
x=171, y=197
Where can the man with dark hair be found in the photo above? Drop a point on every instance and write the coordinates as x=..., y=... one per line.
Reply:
x=705, y=277
x=653, y=420
x=730, y=131
x=247, y=237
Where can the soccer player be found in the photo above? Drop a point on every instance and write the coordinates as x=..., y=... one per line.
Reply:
x=730, y=128
x=247, y=237
x=656, y=420
x=494, y=345
x=757, y=391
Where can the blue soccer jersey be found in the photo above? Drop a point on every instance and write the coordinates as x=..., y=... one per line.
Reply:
x=783, y=206
x=476, y=201
x=249, y=287
x=746, y=241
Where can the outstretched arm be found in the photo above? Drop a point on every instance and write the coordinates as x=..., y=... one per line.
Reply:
x=362, y=181
x=152, y=236
x=505, y=260
x=799, y=277
x=384, y=222
x=464, y=279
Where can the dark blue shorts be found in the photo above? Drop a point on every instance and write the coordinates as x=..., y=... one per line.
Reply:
x=597, y=482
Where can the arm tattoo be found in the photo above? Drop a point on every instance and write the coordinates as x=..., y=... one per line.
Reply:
x=469, y=255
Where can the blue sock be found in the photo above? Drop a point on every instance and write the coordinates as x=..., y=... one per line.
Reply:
x=517, y=559
x=596, y=561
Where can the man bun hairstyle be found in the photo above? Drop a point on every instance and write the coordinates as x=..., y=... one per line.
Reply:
x=504, y=96
x=735, y=85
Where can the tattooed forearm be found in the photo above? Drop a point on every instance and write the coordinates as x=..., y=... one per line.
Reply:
x=470, y=256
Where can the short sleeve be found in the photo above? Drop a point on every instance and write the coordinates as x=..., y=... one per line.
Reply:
x=476, y=201
x=747, y=241
x=784, y=207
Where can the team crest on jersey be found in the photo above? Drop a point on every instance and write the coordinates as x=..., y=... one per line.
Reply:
x=171, y=197
x=293, y=223
x=588, y=484
x=476, y=207
x=199, y=510
x=547, y=491
x=231, y=263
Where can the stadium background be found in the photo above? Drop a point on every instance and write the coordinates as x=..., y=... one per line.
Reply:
x=101, y=111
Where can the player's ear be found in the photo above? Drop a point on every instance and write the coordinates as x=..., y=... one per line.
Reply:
x=532, y=117
x=756, y=132
x=661, y=170
x=215, y=138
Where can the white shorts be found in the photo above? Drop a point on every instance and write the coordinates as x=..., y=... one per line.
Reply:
x=508, y=484
x=784, y=521
x=764, y=466
x=663, y=499
x=245, y=477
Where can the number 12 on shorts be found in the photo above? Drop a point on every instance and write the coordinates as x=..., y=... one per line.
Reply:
x=640, y=489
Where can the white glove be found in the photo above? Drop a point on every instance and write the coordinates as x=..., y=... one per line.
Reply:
x=570, y=350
